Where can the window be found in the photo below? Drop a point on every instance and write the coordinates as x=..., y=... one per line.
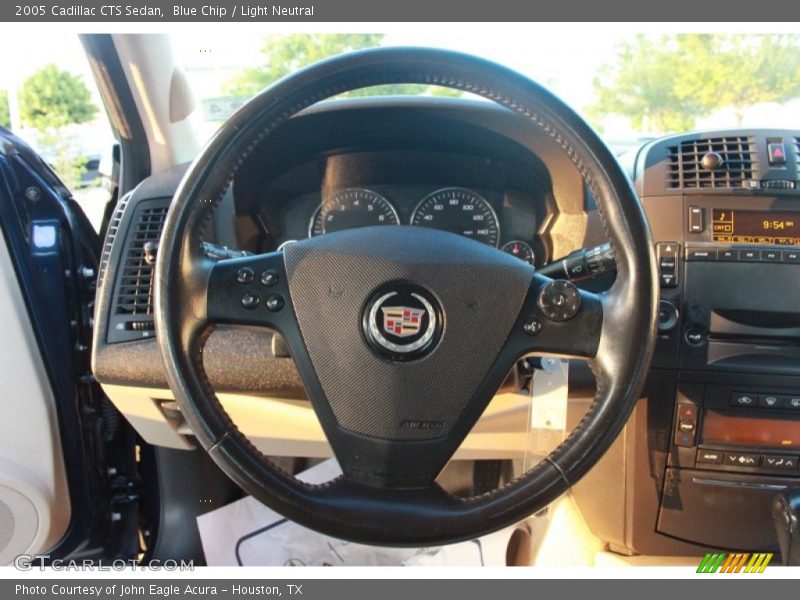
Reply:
x=49, y=99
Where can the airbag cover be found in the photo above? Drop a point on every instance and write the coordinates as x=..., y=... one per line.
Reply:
x=331, y=278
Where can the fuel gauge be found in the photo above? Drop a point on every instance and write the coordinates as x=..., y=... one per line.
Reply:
x=521, y=250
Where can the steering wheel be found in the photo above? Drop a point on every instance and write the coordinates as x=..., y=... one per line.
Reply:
x=402, y=335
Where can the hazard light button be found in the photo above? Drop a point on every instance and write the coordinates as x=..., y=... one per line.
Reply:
x=776, y=153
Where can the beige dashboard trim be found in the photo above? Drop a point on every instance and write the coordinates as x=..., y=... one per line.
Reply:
x=281, y=427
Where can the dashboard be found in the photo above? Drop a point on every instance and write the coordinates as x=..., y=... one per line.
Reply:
x=463, y=166
x=716, y=427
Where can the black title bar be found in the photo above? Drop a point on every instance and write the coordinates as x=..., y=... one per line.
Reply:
x=148, y=11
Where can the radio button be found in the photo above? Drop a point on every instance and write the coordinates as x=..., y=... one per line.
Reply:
x=771, y=255
x=667, y=263
x=668, y=280
x=791, y=256
x=741, y=459
x=668, y=249
x=667, y=253
x=778, y=461
x=742, y=399
x=749, y=255
x=701, y=254
x=727, y=255
x=696, y=224
x=695, y=336
x=709, y=457
x=770, y=401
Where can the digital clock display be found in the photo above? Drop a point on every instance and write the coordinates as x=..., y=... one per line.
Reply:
x=756, y=227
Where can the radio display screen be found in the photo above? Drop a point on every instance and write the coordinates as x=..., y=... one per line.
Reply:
x=756, y=227
x=725, y=428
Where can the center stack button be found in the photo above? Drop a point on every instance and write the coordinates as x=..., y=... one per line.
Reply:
x=667, y=254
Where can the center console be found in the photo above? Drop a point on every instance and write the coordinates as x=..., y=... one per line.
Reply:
x=735, y=437
x=722, y=425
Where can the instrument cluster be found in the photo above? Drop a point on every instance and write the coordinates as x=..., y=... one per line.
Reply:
x=490, y=202
x=458, y=210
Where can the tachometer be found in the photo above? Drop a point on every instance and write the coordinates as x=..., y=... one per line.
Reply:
x=351, y=208
x=461, y=211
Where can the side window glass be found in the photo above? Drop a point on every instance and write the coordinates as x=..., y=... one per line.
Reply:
x=49, y=99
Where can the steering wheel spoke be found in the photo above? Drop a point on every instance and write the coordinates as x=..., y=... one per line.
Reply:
x=558, y=318
x=251, y=290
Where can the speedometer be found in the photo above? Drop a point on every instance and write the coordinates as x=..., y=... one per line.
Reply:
x=351, y=208
x=461, y=211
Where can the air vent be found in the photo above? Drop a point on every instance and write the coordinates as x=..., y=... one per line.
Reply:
x=135, y=294
x=797, y=151
x=111, y=234
x=730, y=159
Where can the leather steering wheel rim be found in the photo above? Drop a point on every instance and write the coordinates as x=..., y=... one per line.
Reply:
x=372, y=503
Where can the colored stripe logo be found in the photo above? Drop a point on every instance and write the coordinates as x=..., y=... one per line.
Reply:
x=740, y=562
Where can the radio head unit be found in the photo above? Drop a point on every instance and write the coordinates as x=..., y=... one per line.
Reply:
x=755, y=226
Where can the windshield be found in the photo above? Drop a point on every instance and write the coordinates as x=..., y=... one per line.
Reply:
x=629, y=86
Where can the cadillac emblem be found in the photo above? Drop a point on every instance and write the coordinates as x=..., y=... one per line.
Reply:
x=402, y=321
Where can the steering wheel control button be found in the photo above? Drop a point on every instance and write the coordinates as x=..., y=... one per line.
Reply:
x=245, y=275
x=274, y=302
x=560, y=301
x=402, y=321
x=532, y=326
x=270, y=277
x=250, y=300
